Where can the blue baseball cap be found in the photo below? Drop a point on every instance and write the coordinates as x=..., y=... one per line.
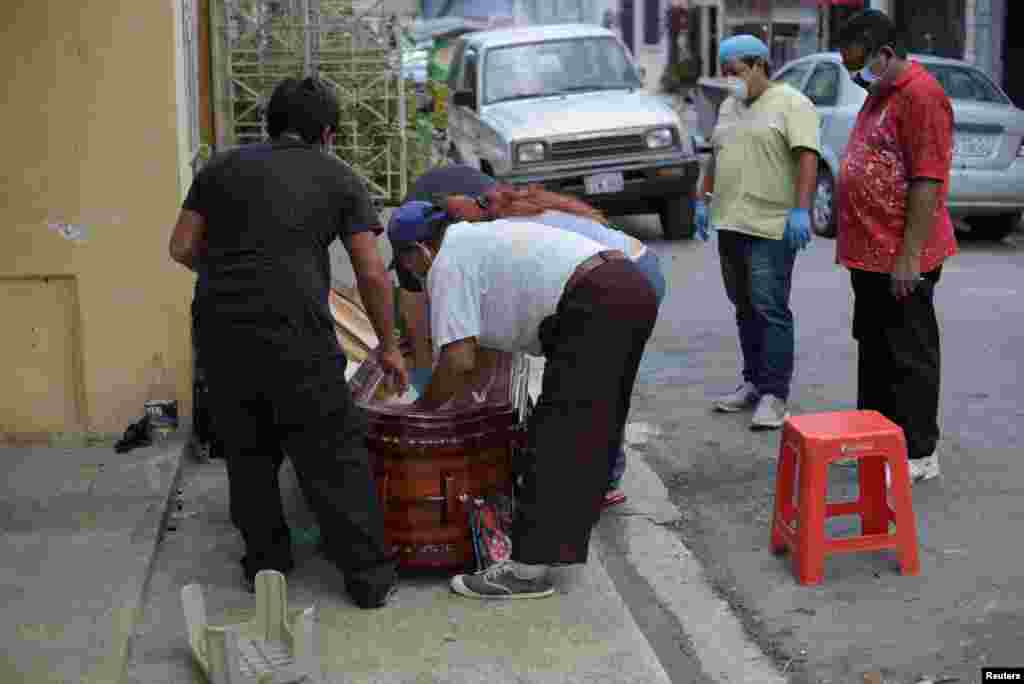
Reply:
x=743, y=45
x=413, y=222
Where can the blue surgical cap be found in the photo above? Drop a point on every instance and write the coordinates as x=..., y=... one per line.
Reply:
x=743, y=45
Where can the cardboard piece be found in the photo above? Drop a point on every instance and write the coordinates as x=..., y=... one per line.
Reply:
x=353, y=327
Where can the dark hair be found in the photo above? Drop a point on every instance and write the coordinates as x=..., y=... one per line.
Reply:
x=872, y=30
x=307, y=107
x=754, y=61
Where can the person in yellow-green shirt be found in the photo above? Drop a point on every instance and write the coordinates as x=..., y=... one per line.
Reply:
x=757, y=193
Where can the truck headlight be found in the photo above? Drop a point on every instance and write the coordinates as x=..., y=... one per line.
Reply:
x=658, y=138
x=529, y=153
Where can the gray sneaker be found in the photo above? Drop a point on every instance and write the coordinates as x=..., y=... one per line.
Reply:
x=922, y=469
x=745, y=397
x=500, y=581
x=771, y=413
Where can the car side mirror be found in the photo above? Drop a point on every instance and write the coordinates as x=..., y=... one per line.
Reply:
x=642, y=72
x=464, y=98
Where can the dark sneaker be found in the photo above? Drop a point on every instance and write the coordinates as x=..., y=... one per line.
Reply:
x=501, y=582
x=369, y=596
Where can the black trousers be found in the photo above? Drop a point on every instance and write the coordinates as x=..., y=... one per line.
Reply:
x=898, y=360
x=264, y=408
x=592, y=346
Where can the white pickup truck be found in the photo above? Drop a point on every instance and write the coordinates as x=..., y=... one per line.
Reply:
x=564, y=106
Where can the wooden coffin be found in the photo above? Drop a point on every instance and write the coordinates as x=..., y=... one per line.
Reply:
x=430, y=464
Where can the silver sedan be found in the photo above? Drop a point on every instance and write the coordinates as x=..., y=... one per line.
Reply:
x=987, y=181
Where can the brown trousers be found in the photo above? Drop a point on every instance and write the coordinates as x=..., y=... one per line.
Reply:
x=592, y=346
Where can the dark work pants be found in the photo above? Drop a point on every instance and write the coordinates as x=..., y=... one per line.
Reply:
x=264, y=409
x=898, y=361
x=592, y=347
x=758, y=277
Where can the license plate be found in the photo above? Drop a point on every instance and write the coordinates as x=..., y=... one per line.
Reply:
x=603, y=183
x=973, y=145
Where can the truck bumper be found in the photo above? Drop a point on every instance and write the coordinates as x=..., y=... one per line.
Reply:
x=646, y=186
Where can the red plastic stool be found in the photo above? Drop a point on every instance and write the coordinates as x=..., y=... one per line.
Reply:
x=809, y=443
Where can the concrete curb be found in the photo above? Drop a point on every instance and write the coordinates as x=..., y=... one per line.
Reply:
x=150, y=531
x=677, y=577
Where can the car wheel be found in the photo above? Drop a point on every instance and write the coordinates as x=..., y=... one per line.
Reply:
x=993, y=227
x=677, y=218
x=823, y=209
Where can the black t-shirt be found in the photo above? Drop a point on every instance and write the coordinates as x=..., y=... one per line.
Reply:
x=455, y=179
x=271, y=211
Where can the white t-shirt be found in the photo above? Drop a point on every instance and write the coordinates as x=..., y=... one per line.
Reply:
x=498, y=280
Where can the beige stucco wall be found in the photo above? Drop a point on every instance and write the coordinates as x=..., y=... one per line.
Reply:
x=91, y=138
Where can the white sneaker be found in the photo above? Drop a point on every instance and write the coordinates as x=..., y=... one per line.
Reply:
x=771, y=413
x=926, y=468
x=921, y=469
x=744, y=397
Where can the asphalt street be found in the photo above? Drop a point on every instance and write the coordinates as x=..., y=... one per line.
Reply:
x=965, y=609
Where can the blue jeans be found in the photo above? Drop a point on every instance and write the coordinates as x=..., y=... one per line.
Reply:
x=650, y=266
x=758, y=276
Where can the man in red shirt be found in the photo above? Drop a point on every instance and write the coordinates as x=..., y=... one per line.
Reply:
x=895, y=231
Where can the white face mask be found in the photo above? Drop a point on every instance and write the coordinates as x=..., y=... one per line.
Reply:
x=739, y=89
x=869, y=76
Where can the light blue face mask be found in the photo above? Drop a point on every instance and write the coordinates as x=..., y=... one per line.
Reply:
x=868, y=76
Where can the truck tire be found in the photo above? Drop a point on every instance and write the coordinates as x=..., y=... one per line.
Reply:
x=993, y=228
x=677, y=218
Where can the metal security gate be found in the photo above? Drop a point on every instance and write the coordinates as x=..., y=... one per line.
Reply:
x=190, y=41
x=349, y=44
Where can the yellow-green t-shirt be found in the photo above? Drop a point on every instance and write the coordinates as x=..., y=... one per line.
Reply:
x=755, y=164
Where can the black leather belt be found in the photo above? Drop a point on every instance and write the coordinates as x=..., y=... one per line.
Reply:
x=590, y=264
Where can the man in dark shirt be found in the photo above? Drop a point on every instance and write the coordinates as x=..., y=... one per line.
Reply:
x=256, y=227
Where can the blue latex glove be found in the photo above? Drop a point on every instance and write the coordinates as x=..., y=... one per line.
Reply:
x=700, y=220
x=419, y=378
x=798, y=228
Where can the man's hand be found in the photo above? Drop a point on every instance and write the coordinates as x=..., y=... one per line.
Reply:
x=922, y=203
x=453, y=374
x=700, y=220
x=906, y=275
x=393, y=365
x=798, y=228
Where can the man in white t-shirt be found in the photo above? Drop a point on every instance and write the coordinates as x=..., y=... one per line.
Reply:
x=525, y=287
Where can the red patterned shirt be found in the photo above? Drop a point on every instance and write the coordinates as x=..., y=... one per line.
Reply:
x=901, y=134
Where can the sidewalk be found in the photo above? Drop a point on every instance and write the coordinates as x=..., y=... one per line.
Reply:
x=425, y=634
x=78, y=533
x=98, y=545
